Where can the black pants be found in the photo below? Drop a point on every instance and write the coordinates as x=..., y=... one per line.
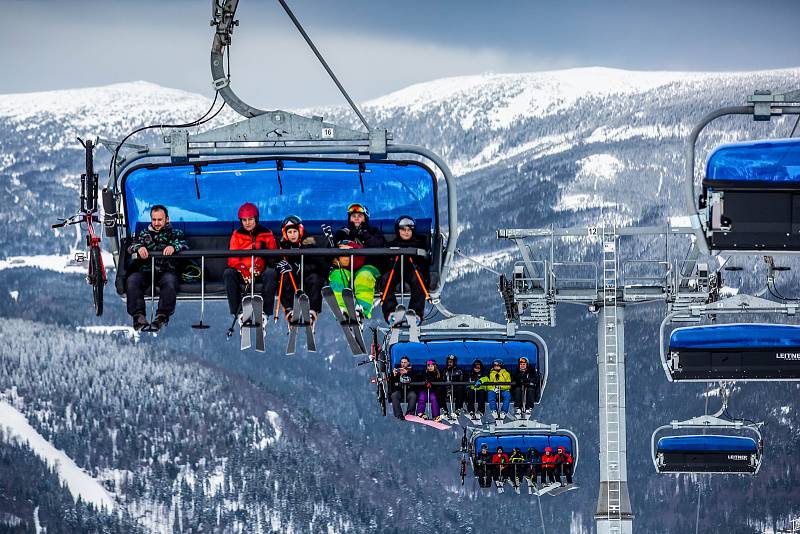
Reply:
x=234, y=284
x=417, y=300
x=138, y=283
x=312, y=286
x=529, y=394
x=476, y=400
x=397, y=398
x=566, y=470
x=443, y=394
x=484, y=473
x=549, y=475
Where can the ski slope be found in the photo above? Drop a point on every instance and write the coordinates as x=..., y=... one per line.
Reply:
x=80, y=484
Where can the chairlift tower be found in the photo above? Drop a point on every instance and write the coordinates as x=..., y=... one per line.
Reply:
x=539, y=285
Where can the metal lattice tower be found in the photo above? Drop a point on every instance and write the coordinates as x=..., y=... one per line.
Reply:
x=614, y=514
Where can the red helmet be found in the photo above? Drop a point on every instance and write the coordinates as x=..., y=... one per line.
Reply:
x=248, y=209
x=548, y=449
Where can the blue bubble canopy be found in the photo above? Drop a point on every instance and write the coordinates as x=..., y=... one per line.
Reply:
x=751, y=192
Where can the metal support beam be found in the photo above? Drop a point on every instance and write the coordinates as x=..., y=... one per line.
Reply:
x=614, y=515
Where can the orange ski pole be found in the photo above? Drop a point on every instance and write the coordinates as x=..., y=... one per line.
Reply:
x=421, y=283
x=389, y=280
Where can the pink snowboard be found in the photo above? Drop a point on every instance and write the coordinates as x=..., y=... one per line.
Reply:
x=427, y=422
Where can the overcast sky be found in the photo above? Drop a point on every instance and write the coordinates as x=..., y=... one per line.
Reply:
x=377, y=46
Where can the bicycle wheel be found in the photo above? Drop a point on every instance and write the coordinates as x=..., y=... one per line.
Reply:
x=97, y=279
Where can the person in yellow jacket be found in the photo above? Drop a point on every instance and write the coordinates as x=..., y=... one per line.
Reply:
x=498, y=374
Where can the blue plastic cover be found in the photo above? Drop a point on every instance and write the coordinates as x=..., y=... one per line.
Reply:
x=759, y=161
x=524, y=442
x=466, y=351
x=735, y=336
x=707, y=443
x=313, y=190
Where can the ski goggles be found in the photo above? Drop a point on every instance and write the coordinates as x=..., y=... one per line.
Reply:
x=357, y=208
x=406, y=222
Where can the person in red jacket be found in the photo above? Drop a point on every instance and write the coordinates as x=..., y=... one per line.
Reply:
x=564, y=464
x=500, y=461
x=241, y=270
x=549, y=466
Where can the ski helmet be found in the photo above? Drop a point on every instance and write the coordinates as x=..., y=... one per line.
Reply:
x=454, y=358
x=248, y=209
x=292, y=221
x=477, y=362
x=404, y=221
x=497, y=361
x=499, y=448
x=523, y=359
x=356, y=207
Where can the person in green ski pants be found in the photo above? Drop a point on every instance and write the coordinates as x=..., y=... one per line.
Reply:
x=365, y=278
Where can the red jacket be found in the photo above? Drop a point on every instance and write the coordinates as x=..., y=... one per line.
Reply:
x=259, y=239
x=549, y=460
x=500, y=458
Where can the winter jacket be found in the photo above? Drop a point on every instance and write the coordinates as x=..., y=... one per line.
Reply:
x=499, y=376
x=516, y=457
x=564, y=458
x=395, y=382
x=453, y=374
x=528, y=378
x=311, y=264
x=475, y=377
x=432, y=376
x=358, y=261
x=259, y=239
x=482, y=459
x=421, y=263
x=500, y=458
x=368, y=236
x=549, y=460
x=156, y=241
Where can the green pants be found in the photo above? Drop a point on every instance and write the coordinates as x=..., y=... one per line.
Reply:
x=364, y=287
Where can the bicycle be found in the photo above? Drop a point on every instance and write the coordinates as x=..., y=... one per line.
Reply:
x=96, y=276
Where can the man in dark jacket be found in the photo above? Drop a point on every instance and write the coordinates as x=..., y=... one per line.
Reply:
x=250, y=236
x=293, y=237
x=401, y=389
x=452, y=393
x=525, y=390
x=159, y=236
x=405, y=271
x=482, y=466
x=359, y=229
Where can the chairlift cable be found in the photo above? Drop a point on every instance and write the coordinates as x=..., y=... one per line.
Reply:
x=476, y=262
x=794, y=129
x=541, y=515
x=324, y=63
x=197, y=122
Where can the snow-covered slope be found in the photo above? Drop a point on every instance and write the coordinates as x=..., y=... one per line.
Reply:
x=77, y=480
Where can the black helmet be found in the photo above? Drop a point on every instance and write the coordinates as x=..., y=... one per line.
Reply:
x=404, y=221
x=452, y=357
x=477, y=362
x=357, y=207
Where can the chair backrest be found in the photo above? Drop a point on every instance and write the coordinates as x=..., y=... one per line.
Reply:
x=524, y=442
x=466, y=351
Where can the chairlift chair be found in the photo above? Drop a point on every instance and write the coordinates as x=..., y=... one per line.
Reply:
x=523, y=434
x=733, y=351
x=750, y=200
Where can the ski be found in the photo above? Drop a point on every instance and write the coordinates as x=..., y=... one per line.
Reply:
x=349, y=299
x=291, y=345
x=499, y=484
x=413, y=326
x=305, y=315
x=245, y=319
x=330, y=298
x=547, y=488
x=259, y=322
x=465, y=421
x=562, y=489
x=531, y=485
x=396, y=320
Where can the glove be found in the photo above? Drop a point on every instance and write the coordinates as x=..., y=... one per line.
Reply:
x=283, y=267
x=478, y=384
